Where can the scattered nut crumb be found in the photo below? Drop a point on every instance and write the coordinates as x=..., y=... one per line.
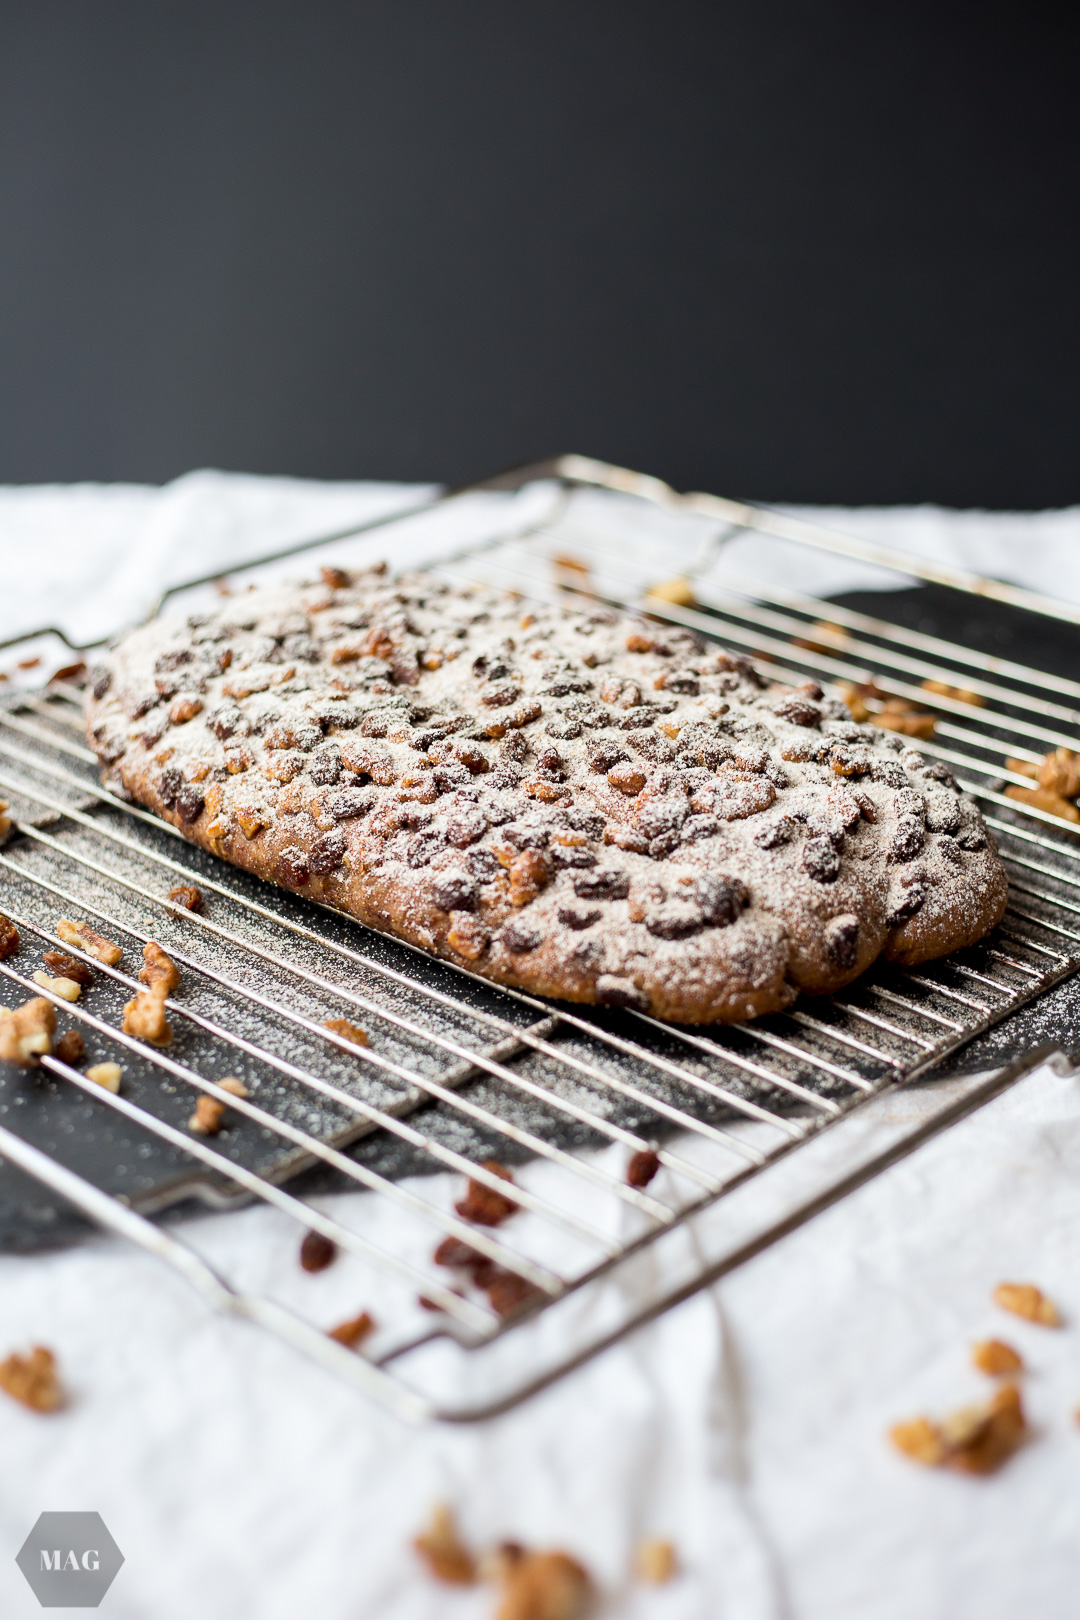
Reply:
x=83, y=937
x=33, y=1379
x=206, y=1120
x=27, y=1032
x=677, y=591
x=69, y=989
x=975, y=1440
x=832, y=638
x=160, y=972
x=144, y=1017
x=998, y=1359
x=1060, y=773
x=354, y=1331
x=484, y=1205
x=655, y=1561
x=572, y=566
x=105, y=1074
x=642, y=1167
x=495, y=1565
x=348, y=1032
x=1042, y=799
x=959, y=694
x=317, y=1251
x=10, y=939
x=921, y=1440
x=443, y=1551
x=186, y=895
x=70, y=1048
x=28, y=663
x=545, y=1586
x=237, y=1087
x=1025, y=1300
x=69, y=967
x=897, y=714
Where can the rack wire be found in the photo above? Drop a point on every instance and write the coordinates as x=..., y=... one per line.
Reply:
x=459, y=1073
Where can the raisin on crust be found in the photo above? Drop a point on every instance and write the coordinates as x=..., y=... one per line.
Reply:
x=575, y=803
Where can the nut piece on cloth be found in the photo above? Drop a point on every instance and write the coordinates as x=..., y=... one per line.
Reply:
x=1024, y=1299
x=353, y=1332
x=445, y=1554
x=27, y=1033
x=996, y=1358
x=655, y=1561
x=33, y=1380
x=545, y=1586
x=975, y=1440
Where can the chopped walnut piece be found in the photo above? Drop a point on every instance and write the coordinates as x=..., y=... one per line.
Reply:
x=354, y=1331
x=10, y=938
x=921, y=1440
x=70, y=1048
x=1024, y=1299
x=160, y=972
x=107, y=1075
x=236, y=1087
x=69, y=967
x=186, y=895
x=529, y=873
x=206, y=1120
x=679, y=591
x=348, y=1032
x=545, y=1586
x=996, y=1358
x=336, y=578
x=642, y=1168
x=1042, y=799
x=83, y=937
x=69, y=989
x=897, y=714
x=249, y=820
x=5, y=820
x=1060, y=773
x=831, y=638
x=33, y=1380
x=144, y=1017
x=975, y=1440
x=443, y=1551
x=959, y=694
x=482, y=1204
x=317, y=1251
x=655, y=1561
x=27, y=1032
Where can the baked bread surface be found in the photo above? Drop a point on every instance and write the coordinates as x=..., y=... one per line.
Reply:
x=581, y=804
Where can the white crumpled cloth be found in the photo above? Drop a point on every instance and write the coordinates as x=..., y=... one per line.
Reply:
x=747, y=1425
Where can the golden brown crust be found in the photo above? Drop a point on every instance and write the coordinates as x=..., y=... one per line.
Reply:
x=574, y=803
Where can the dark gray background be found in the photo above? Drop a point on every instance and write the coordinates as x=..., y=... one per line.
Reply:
x=786, y=249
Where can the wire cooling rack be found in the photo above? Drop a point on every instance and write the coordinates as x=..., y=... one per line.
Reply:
x=458, y=1072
